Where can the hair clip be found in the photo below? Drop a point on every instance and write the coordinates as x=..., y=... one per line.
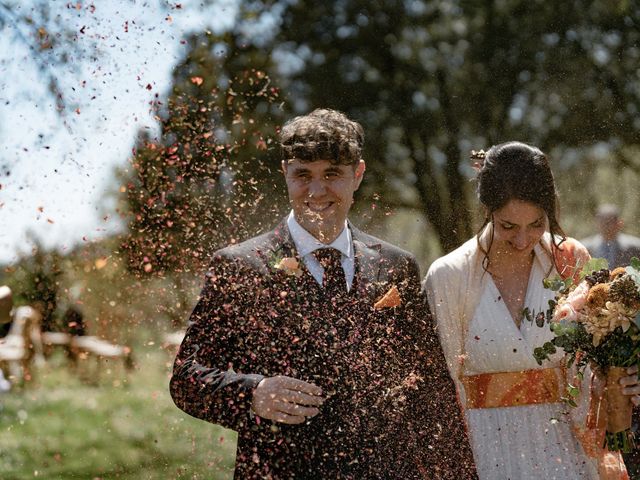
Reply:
x=477, y=157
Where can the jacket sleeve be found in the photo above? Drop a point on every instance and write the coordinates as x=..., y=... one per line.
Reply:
x=434, y=420
x=208, y=381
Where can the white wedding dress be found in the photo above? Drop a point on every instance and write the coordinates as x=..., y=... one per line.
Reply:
x=527, y=442
x=521, y=442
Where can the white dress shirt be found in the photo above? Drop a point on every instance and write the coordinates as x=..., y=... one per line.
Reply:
x=306, y=244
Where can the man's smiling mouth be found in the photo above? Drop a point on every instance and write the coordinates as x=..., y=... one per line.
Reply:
x=319, y=207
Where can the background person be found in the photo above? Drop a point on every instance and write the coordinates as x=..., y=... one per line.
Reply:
x=617, y=247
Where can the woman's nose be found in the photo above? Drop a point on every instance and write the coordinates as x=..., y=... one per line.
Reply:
x=521, y=240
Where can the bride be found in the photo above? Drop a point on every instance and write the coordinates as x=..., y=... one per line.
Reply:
x=478, y=292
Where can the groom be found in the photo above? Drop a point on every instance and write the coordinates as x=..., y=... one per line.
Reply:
x=313, y=341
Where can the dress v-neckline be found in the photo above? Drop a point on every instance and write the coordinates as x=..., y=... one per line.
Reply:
x=503, y=304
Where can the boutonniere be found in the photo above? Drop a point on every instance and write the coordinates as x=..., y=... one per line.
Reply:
x=389, y=299
x=288, y=265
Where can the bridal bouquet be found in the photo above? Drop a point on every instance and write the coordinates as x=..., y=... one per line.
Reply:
x=596, y=322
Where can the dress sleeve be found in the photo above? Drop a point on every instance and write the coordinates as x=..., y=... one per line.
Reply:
x=206, y=381
x=570, y=257
x=442, y=293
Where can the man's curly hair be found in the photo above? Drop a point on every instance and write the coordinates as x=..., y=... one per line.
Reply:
x=323, y=134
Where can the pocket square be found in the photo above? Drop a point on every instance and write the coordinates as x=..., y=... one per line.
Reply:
x=389, y=299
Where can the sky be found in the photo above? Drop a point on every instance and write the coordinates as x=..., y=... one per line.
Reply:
x=60, y=166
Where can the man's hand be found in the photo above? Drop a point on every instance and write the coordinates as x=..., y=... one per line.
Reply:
x=631, y=384
x=286, y=400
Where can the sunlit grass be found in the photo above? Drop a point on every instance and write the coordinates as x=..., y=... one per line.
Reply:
x=127, y=428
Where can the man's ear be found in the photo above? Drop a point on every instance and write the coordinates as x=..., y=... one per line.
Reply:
x=359, y=173
x=283, y=167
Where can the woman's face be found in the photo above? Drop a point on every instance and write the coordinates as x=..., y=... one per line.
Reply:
x=518, y=226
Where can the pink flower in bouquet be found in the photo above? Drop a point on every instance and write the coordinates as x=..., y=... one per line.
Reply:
x=565, y=312
x=578, y=297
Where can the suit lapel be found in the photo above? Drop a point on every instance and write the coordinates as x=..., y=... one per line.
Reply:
x=369, y=274
x=370, y=277
x=283, y=246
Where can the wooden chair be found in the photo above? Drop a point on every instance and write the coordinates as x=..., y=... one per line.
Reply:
x=172, y=340
x=22, y=345
x=53, y=340
x=84, y=347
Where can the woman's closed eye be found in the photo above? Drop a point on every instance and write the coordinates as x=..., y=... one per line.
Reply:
x=511, y=226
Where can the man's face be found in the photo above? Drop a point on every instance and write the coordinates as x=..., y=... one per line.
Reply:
x=321, y=194
x=610, y=226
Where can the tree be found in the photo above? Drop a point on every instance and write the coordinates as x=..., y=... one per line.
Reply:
x=35, y=280
x=210, y=176
x=431, y=80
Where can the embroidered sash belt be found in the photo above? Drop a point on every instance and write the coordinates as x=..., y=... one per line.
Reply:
x=513, y=389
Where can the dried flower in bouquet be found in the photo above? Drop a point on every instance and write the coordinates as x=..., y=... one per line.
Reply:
x=597, y=322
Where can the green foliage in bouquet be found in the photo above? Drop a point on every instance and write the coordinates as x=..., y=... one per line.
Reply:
x=619, y=348
x=597, y=322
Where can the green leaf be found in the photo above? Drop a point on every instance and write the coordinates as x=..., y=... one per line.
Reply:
x=635, y=263
x=540, y=355
x=549, y=314
x=573, y=391
x=563, y=327
x=554, y=283
x=568, y=282
x=549, y=348
x=634, y=274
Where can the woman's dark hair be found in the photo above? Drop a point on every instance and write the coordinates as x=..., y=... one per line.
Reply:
x=517, y=171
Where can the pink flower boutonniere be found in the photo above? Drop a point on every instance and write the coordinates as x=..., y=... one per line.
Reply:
x=389, y=299
x=289, y=265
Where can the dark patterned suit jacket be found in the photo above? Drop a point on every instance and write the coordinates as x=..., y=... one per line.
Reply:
x=391, y=409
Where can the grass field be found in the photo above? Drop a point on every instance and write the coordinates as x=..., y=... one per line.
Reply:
x=60, y=427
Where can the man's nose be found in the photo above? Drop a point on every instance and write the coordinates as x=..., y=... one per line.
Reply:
x=317, y=188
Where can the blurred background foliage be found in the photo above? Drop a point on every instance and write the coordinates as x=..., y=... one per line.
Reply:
x=429, y=81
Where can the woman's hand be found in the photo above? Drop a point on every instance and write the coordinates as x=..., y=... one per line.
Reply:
x=631, y=385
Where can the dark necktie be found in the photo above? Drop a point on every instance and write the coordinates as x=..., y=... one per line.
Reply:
x=333, y=280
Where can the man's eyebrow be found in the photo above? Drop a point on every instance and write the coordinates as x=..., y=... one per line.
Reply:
x=300, y=169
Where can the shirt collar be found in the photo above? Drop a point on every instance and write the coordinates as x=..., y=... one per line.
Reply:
x=306, y=243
